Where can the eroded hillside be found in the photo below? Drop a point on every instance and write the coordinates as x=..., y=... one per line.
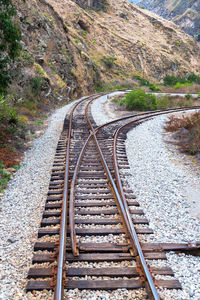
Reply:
x=78, y=45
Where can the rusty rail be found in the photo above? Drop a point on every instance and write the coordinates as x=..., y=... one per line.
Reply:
x=72, y=200
x=59, y=287
x=126, y=218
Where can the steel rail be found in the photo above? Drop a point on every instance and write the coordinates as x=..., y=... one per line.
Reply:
x=170, y=110
x=59, y=287
x=134, y=237
x=125, y=216
x=59, y=284
x=73, y=189
x=122, y=200
x=72, y=199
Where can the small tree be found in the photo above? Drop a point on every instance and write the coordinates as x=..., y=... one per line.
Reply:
x=10, y=47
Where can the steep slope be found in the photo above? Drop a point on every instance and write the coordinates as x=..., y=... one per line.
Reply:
x=78, y=45
x=184, y=13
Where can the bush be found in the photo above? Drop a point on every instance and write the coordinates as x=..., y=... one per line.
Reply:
x=108, y=61
x=139, y=100
x=172, y=80
x=194, y=78
x=8, y=114
x=188, y=97
x=9, y=42
x=179, y=85
x=154, y=88
x=144, y=82
x=36, y=85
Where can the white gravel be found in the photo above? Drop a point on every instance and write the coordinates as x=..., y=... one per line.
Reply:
x=22, y=208
x=161, y=188
x=99, y=114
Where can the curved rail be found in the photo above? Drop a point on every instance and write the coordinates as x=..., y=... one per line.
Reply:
x=72, y=199
x=59, y=287
x=62, y=246
x=72, y=191
x=133, y=233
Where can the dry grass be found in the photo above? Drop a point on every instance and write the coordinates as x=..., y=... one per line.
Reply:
x=187, y=130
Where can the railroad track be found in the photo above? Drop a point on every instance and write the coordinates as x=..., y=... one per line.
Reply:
x=91, y=216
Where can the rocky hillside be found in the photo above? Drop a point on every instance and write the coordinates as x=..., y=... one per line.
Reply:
x=183, y=12
x=75, y=46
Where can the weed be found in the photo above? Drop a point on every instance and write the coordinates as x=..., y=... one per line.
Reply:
x=38, y=123
x=84, y=33
x=163, y=102
x=28, y=21
x=30, y=105
x=51, y=19
x=25, y=56
x=4, y=177
x=39, y=69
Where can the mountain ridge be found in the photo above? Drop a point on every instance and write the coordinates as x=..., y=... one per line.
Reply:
x=184, y=13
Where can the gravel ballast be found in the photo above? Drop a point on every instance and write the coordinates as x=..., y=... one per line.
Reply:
x=161, y=192
x=161, y=188
x=165, y=184
x=21, y=210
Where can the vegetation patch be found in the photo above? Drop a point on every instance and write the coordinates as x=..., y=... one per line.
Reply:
x=139, y=100
x=108, y=61
x=187, y=130
x=178, y=82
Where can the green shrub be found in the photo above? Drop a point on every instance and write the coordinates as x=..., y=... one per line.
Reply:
x=36, y=85
x=99, y=87
x=188, y=96
x=179, y=85
x=108, y=61
x=9, y=42
x=194, y=78
x=154, y=88
x=170, y=80
x=139, y=100
x=144, y=82
x=8, y=114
